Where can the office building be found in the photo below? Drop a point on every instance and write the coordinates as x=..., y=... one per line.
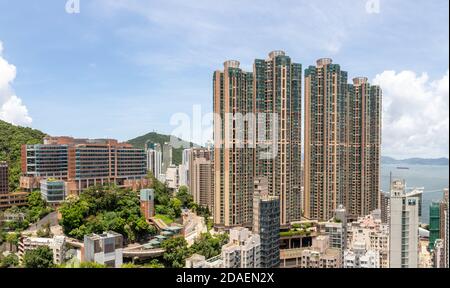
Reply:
x=277, y=85
x=233, y=151
x=266, y=223
x=81, y=163
x=57, y=244
x=9, y=200
x=147, y=201
x=243, y=249
x=435, y=224
x=342, y=142
x=403, y=227
x=53, y=191
x=4, y=183
x=106, y=248
x=201, y=176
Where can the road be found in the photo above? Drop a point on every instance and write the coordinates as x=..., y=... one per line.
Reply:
x=52, y=218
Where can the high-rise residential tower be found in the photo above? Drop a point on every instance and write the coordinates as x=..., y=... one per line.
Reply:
x=342, y=142
x=266, y=223
x=403, y=227
x=277, y=91
x=325, y=95
x=233, y=152
x=201, y=171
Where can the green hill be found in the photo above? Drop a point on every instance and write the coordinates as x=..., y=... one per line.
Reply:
x=11, y=139
x=154, y=137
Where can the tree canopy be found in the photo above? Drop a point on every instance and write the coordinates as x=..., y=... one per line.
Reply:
x=41, y=257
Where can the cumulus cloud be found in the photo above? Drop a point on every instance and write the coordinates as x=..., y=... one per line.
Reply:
x=11, y=107
x=415, y=114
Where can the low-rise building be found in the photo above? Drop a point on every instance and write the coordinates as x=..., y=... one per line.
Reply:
x=243, y=249
x=53, y=191
x=106, y=248
x=319, y=255
x=199, y=261
x=56, y=244
x=147, y=201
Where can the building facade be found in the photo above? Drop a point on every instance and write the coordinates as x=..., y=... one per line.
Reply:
x=435, y=224
x=106, y=248
x=147, y=201
x=57, y=244
x=4, y=182
x=154, y=159
x=53, y=191
x=233, y=150
x=277, y=85
x=403, y=227
x=201, y=176
x=243, y=249
x=266, y=223
x=81, y=163
x=342, y=142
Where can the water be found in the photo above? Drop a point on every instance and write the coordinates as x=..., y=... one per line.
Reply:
x=434, y=178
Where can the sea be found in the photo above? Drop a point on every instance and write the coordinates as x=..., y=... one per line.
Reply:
x=433, y=178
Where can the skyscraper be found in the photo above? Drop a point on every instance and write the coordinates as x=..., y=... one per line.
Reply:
x=277, y=90
x=201, y=171
x=166, y=157
x=342, y=142
x=154, y=159
x=266, y=223
x=233, y=152
x=403, y=227
x=434, y=224
x=325, y=95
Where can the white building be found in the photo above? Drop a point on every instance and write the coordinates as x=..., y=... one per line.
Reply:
x=368, y=233
x=56, y=244
x=199, y=261
x=404, y=226
x=173, y=177
x=154, y=160
x=243, y=249
x=106, y=248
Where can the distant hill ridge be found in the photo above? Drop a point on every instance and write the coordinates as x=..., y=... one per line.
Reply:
x=154, y=137
x=415, y=161
x=11, y=139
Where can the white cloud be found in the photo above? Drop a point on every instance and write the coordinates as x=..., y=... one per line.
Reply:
x=11, y=107
x=415, y=114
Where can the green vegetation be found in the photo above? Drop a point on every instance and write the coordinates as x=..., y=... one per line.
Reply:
x=177, y=249
x=167, y=208
x=41, y=257
x=10, y=261
x=153, y=264
x=164, y=218
x=208, y=245
x=176, y=252
x=154, y=137
x=11, y=139
x=105, y=208
x=92, y=265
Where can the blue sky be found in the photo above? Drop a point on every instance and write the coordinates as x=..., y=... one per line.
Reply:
x=122, y=68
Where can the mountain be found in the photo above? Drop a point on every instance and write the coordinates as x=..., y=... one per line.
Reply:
x=153, y=137
x=415, y=161
x=11, y=139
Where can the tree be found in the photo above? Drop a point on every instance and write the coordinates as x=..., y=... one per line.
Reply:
x=12, y=238
x=176, y=251
x=184, y=196
x=208, y=245
x=9, y=261
x=46, y=232
x=73, y=212
x=41, y=257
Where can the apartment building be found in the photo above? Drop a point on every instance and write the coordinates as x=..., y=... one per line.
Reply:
x=4, y=182
x=201, y=177
x=403, y=226
x=57, y=244
x=243, y=249
x=342, y=142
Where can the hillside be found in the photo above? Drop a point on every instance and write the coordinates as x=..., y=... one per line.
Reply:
x=11, y=139
x=415, y=161
x=153, y=137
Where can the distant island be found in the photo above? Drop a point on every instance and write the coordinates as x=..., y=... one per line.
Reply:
x=415, y=161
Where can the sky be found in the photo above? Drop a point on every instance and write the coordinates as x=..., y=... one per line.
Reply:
x=123, y=68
